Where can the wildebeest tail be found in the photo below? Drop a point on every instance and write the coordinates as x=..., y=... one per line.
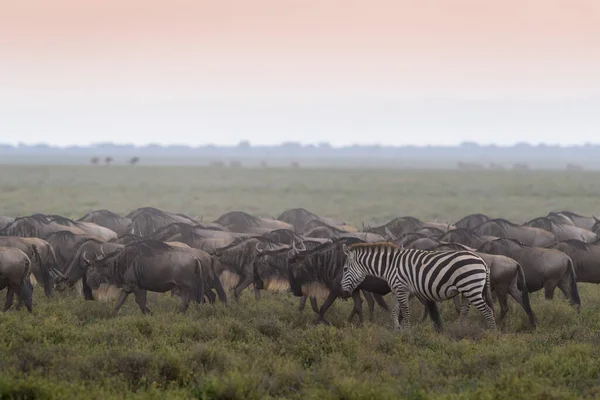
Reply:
x=217, y=282
x=381, y=301
x=44, y=271
x=522, y=286
x=199, y=289
x=575, y=300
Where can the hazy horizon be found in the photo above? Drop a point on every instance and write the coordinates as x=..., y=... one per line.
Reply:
x=354, y=72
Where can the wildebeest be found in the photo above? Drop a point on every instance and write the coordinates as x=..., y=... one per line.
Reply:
x=506, y=278
x=528, y=235
x=318, y=272
x=36, y=225
x=585, y=256
x=318, y=222
x=238, y=258
x=147, y=220
x=41, y=256
x=239, y=221
x=300, y=217
x=88, y=228
x=211, y=269
x=471, y=221
x=563, y=231
x=574, y=219
x=127, y=238
x=465, y=237
x=403, y=225
x=4, y=221
x=544, y=268
x=75, y=271
x=107, y=219
x=325, y=231
x=15, y=268
x=149, y=265
x=425, y=243
x=65, y=245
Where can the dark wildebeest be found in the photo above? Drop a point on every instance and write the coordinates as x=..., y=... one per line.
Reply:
x=571, y=218
x=75, y=272
x=471, y=221
x=107, y=219
x=147, y=220
x=465, y=237
x=585, y=256
x=425, y=243
x=239, y=221
x=65, y=245
x=15, y=268
x=324, y=231
x=318, y=272
x=299, y=217
x=178, y=231
x=211, y=269
x=40, y=254
x=315, y=223
x=506, y=278
x=238, y=259
x=36, y=225
x=149, y=265
x=271, y=272
x=563, y=231
x=527, y=235
x=544, y=268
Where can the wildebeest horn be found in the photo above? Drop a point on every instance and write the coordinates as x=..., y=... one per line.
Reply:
x=390, y=234
x=294, y=249
x=58, y=273
x=303, y=246
x=258, y=249
x=102, y=251
x=85, y=258
x=596, y=218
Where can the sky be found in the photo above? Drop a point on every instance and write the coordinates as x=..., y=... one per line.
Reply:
x=389, y=72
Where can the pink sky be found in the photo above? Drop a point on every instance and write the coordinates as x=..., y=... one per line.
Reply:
x=71, y=53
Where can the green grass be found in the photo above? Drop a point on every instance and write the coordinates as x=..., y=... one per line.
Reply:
x=70, y=348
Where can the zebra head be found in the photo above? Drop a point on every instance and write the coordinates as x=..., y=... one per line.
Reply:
x=353, y=273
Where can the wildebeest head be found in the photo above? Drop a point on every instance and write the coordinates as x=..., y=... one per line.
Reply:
x=79, y=265
x=270, y=269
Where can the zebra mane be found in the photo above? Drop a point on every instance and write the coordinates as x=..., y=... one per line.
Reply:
x=373, y=245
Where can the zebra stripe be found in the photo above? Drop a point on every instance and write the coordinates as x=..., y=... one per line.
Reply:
x=433, y=276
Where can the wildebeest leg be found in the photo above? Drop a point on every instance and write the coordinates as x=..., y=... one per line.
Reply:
x=302, y=303
x=9, y=299
x=549, y=287
x=328, y=302
x=313, y=304
x=141, y=300
x=370, y=304
x=122, y=297
x=210, y=295
x=357, y=309
x=256, y=294
x=503, y=300
x=241, y=286
x=185, y=300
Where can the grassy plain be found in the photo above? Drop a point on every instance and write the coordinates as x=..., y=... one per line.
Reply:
x=70, y=348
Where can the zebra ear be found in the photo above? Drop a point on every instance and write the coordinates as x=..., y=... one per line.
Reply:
x=345, y=249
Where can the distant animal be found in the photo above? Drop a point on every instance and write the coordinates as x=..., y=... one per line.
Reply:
x=15, y=268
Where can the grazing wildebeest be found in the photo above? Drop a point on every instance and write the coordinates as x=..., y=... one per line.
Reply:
x=299, y=217
x=317, y=273
x=107, y=219
x=585, y=256
x=75, y=272
x=471, y=221
x=15, y=268
x=571, y=218
x=528, y=235
x=211, y=269
x=563, y=231
x=238, y=258
x=431, y=275
x=149, y=265
x=544, y=268
x=40, y=254
x=239, y=221
x=506, y=278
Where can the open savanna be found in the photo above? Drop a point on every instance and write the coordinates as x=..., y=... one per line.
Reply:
x=71, y=348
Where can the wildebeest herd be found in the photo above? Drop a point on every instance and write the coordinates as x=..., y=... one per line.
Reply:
x=104, y=256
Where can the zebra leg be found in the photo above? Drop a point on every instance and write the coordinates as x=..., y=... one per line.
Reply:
x=479, y=303
x=465, y=306
x=396, y=314
x=402, y=303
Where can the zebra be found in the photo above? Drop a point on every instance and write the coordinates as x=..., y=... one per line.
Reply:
x=431, y=275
